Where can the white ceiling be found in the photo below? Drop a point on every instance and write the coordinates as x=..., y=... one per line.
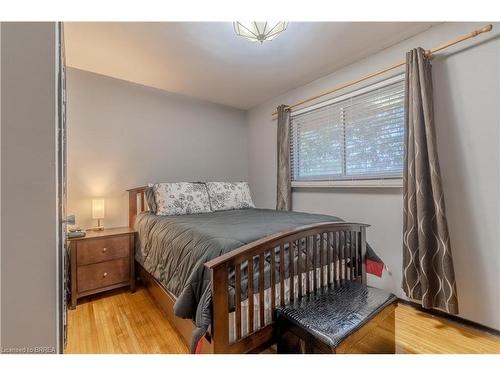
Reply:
x=207, y=60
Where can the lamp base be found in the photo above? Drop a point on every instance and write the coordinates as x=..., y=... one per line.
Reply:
x=99, y=226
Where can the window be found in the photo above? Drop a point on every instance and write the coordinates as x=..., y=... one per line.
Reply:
x=358, y=136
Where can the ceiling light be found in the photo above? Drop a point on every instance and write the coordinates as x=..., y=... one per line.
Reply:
x=259, y=31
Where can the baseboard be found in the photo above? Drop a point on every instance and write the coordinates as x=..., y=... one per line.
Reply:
x=453, y=318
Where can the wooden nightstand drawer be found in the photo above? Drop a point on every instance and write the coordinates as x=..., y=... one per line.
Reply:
x=102, y=249
x=98, y=275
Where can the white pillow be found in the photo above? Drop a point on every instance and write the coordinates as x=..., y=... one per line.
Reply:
x=180, y=198
x=229, y=195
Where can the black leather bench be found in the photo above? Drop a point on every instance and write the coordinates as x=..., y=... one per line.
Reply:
x=350, y=318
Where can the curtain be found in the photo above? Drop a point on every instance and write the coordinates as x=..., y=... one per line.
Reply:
x=284, y=185
x=428, y=274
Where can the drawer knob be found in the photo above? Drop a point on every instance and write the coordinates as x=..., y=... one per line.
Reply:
x=104, y=274
x=104, y=250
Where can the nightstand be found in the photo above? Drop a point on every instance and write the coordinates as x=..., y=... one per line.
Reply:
x=101, y=261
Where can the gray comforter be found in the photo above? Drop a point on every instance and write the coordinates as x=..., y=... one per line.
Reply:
x=174, y=249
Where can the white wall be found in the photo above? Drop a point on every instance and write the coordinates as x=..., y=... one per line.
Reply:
x=123, y=135
x=467, y=98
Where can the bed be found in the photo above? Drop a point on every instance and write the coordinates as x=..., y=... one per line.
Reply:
x=219, y=276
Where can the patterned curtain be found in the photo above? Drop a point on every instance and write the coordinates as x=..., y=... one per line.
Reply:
x=284, y=185
x=428, y=274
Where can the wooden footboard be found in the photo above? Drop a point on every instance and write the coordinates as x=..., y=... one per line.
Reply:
x=249, y=282
x=298, y=262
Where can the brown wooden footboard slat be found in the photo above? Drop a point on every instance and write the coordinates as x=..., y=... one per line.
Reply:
x=329, y=258
x=261, y=290
x=220, y=321
x=282, y=275
x=354, y=269
x=273, y=279
x=362, y=245
x=342, y=241
x=308, y=268
x=322, y=261
x=299, y=268
x=348, y=254
x=315, y=262
x=250, y=295
x=237, y=292
x=291, y=266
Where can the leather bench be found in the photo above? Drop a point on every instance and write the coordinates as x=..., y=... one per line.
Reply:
x=350, y=318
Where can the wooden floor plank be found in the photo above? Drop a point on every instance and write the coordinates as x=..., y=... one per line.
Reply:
x=124, y=322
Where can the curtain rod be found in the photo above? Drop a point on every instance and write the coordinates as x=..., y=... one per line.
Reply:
x=428, y=53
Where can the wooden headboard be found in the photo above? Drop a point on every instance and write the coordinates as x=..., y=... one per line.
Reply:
x=136, y=203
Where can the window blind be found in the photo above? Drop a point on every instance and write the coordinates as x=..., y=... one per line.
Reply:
x=359, y=136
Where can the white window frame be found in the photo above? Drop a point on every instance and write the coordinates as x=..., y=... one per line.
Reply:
x=365, y=183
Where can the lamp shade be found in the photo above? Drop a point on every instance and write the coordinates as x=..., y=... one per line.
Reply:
x=98, y=208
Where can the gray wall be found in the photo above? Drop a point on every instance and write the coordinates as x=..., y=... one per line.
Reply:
x=123, y=135
x=0, y=185
x=28, y=194
x=467, y=98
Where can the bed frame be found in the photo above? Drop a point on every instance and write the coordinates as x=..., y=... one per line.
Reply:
x=335, y=252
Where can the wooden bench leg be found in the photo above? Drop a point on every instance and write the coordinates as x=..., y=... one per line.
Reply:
x=286, y=342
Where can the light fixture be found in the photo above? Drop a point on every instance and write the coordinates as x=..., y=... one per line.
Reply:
x=259, y=31
x=98, y=212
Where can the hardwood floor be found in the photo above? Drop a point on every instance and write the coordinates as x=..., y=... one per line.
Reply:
x=121, y=322
x=419, y=332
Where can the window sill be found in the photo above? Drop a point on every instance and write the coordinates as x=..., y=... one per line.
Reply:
x=382, y=183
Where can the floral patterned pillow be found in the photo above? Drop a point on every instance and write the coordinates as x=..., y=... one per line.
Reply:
x=180, y=198
x=229, y=195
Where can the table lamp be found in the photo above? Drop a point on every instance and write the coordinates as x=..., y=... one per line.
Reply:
x=98, y=212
